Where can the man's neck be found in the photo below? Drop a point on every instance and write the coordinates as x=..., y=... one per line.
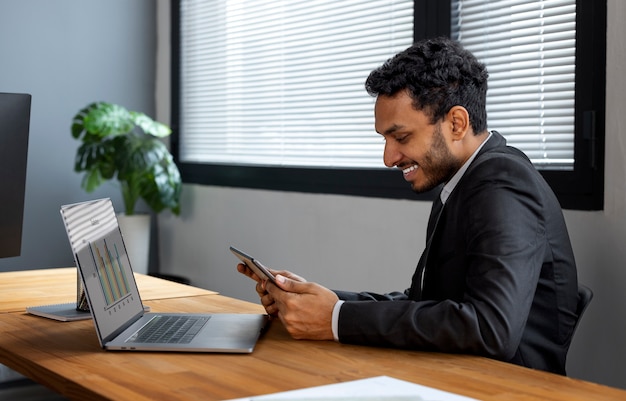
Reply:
x=451, y=184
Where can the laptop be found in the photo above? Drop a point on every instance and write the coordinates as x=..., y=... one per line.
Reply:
x=115, y=304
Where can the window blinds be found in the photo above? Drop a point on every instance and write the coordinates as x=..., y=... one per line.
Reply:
x=282, y=82
x=529, y=49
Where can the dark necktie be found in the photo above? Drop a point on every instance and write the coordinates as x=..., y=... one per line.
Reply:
x=417, y=282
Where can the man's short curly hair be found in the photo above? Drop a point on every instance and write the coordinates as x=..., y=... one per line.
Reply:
x=438, y=74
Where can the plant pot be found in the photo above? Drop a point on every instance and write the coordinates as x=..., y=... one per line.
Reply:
x=136, y=233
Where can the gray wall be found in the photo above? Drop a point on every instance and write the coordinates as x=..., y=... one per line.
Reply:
x=66, y=54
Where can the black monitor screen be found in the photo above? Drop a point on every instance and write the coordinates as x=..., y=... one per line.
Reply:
x=14, y=128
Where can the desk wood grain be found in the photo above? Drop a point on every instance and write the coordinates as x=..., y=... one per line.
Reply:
x=21, y=289
x=67, y=358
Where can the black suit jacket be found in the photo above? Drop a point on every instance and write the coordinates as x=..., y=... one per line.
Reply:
x=500, y=279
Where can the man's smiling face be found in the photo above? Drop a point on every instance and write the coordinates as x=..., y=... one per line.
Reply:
x=413, y=144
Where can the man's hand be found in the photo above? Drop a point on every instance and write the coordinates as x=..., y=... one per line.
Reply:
x=304, y=308
x=266, y=299
x=245, y=270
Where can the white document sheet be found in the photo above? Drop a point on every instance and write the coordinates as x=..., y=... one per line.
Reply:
x=381, y=388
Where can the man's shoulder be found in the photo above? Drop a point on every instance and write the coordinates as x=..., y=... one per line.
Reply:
x=495, y=158
x=501, y=166
x=497, y=147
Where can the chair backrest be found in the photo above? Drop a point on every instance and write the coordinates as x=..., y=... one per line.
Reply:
x=584, y=298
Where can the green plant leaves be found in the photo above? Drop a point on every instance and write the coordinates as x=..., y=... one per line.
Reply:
x=149, y=126
x=103, y=120
x=107, y=119
x=124, y=145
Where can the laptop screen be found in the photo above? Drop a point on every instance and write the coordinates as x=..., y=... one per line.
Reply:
x=101, y=257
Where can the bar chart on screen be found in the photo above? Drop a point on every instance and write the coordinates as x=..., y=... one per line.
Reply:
x=111, y=269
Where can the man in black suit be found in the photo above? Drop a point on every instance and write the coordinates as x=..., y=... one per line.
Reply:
x=497, y=277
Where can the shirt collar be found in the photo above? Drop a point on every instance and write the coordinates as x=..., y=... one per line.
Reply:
x=450, y=185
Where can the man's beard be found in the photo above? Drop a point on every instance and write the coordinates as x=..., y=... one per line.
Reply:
x=439, y=164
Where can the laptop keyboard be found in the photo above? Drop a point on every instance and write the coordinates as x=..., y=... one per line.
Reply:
x=169, y=330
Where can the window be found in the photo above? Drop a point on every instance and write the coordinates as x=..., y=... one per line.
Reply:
x=529, y=49
x=258, y=103
x=283, y=84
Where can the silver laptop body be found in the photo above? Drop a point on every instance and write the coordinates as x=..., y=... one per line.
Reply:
x=114, y=301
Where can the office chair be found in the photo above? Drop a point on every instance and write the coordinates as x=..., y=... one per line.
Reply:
x=584, y=298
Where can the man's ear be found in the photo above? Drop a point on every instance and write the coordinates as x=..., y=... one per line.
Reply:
x=459, y=119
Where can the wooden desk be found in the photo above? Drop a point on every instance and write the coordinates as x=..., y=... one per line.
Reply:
x=67, y=358
x=19, y=289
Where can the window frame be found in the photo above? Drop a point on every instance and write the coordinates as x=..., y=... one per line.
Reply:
x=580, y=189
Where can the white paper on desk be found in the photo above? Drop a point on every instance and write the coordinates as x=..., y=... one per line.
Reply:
x=381, y=388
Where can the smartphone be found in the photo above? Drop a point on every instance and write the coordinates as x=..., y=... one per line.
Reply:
x=254, y=265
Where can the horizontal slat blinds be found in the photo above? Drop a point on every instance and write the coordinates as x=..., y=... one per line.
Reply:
x=529, y=49
x=282, y=82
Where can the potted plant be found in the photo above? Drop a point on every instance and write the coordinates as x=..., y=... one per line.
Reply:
x=118, y=144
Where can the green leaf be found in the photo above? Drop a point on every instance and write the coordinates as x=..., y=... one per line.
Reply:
x=91, y=180
x=106, y=119
x=149, y=126
x=78, y=122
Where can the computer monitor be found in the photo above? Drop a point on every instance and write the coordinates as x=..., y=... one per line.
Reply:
x=14, y=130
